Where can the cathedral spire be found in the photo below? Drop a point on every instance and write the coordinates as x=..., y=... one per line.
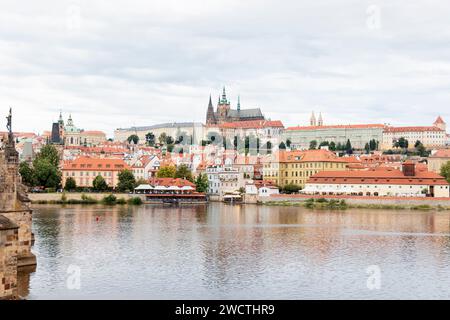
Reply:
x=239, y=103
x=320, y=120
x=223, y=100
x=312, y=120
x=210, y=117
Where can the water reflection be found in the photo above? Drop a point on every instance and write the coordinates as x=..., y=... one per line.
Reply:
x=220, y=251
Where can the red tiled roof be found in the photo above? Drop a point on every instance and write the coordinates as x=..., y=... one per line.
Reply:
x=443, y=153
x=439, y=120
x=167, y=182
x=375, y=176
x=344, y=126
x=93, y=133
x=96, y=164
x=320, y=155
x=412, y=129
x=252, y=124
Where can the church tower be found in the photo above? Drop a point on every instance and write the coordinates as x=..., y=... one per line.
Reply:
x=320, y=120
x=440, y=123
x=312, y=120
x=223, y=107
x=210, y=117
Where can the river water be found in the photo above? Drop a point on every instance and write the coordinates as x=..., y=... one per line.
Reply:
x=219, y=251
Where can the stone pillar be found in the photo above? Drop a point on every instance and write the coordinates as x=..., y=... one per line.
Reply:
x=23, y=219
x=8, y=259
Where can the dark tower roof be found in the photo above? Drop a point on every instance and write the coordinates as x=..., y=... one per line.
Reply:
x=210, y=117
x=55, y=137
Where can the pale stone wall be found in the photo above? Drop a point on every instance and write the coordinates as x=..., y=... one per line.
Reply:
x=23, y=219
x=34, y=197
x=8, y=260
x=433, y=202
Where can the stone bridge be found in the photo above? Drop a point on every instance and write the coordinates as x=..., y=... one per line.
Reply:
x=16, y=237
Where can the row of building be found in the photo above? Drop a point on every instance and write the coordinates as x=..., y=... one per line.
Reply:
x=224, y=122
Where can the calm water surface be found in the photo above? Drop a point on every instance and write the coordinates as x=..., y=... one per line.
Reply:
x=219, y=251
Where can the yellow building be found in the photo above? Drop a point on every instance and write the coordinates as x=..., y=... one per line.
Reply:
x=295, y=167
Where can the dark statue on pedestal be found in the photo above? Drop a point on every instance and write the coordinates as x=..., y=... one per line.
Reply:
x=11, y=154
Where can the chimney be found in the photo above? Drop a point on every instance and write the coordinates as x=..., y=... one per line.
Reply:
x=409, y=168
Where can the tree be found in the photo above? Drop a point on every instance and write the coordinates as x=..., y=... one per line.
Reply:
x=445, y=171
x=420, y=148
x=166, y=172
x=401, y=143
x=162, y=138
x=332, y=146
x=348, y=147
x=70, y=184
x=184, y=172
x=282, y=146
x=126, y=181
x=26, y=172
x=150, y=139
x=417, y=144
x=291, y=188
x=133, y=138
x=288, y=142
x=50, y=153
x=169, y=140
x=46, y=174
x=324, y=144
x=367, y=148
x=373, y=145
x=99, y=184
x=201, y=183
x=312, y=145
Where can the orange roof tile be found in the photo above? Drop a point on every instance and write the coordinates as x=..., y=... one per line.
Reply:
x=344, y=126
x=439, y=120
x=95, y=164
x=256, y=124
x=443, y=153
x=167, y=182
x=93, y=133
x=412, y=129
x=376, y=176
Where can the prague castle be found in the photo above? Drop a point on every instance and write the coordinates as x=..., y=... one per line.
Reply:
x=224, y=113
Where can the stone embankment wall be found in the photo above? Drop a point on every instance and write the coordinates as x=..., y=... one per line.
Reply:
x=433, y=202
x=74, y=196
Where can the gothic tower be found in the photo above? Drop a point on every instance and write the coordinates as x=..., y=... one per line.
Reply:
x=320, y=120
x=210, y=117
x=312, y=120
x=223, y=107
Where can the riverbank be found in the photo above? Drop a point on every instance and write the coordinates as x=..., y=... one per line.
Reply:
x=344, y=202
x=84, y=198
x=343, y=205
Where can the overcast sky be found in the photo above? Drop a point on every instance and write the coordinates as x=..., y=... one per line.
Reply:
x=123, y=63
